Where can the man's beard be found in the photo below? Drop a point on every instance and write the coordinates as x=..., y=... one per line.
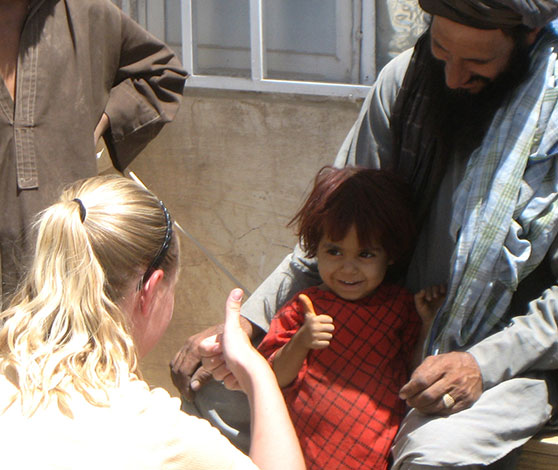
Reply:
x=464, y=117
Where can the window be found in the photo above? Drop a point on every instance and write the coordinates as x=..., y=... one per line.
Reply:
x=325, y=47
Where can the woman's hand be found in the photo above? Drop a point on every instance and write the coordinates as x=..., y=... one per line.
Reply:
x=230, y=356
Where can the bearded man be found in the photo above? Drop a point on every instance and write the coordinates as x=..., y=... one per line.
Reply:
x=470, y=118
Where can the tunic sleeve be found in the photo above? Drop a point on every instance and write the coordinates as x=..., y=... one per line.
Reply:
x=369, y=142
x=530, y=342
x=145, y=95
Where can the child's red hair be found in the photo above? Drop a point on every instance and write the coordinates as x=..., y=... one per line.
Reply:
x=376, y=202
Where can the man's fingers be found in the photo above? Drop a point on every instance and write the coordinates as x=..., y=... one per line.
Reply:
x=200, y=377
x=430, y=397
x=422, y=378
x=444, y=400
x=307, y=304
x=219, y=372
x=444, y=384
x=182, y=383
x=187, y=360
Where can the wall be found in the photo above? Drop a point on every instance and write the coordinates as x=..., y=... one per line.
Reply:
x=232, y=168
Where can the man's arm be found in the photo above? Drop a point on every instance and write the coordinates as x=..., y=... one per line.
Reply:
x=146, y=92
x=529, y=343
x=369, y=142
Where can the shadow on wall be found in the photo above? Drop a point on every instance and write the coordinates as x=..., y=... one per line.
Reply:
x=232, y=169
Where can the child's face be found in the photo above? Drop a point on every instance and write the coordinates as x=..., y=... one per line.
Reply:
x=351, y=271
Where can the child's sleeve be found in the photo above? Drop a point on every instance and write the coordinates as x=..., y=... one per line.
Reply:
x=282, y=328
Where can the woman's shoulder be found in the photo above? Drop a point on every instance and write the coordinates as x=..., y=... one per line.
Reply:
x=178, y=437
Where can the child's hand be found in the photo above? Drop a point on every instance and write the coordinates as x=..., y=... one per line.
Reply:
x=317, y=331
x=428, y=301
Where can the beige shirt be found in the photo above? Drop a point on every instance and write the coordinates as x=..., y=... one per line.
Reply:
x=142, y=429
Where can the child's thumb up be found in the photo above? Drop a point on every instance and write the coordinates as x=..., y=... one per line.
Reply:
x=307, y=305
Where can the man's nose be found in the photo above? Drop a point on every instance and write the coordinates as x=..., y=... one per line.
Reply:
x=456, y=75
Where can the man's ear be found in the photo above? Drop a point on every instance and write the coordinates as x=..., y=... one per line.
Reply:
x=149, y=289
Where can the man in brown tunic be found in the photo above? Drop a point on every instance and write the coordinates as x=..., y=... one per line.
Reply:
x=71, y=72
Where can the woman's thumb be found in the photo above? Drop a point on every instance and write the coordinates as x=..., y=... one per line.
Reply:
x=232, y=308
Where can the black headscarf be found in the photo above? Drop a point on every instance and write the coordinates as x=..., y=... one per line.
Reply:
x=494, y=14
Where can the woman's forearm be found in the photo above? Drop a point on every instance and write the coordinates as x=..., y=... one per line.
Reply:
x=269, y=448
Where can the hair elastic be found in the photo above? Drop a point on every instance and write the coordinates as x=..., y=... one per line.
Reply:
x=82, y=210
x=160, y=256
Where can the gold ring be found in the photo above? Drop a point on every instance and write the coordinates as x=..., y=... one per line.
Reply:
x=448, y=400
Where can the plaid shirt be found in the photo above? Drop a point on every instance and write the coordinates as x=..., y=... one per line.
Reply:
x=344, y=403
x=505, y=214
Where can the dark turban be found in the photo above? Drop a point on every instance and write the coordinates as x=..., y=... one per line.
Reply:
x=494, y=14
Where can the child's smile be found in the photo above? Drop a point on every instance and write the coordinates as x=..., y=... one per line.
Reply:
x=350, y=270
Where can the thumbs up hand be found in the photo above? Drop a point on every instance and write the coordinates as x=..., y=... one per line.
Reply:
x=230, y=357
x=317, y=330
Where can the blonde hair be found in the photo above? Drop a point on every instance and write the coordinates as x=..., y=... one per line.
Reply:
x=64, y=329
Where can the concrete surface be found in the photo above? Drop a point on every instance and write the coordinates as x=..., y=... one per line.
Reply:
x=233, y=169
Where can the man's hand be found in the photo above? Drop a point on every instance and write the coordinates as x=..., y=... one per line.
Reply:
x=101, y=128
x=444, y=384
x=186, y=373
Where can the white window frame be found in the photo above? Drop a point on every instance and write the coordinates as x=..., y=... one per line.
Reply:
x=153, y=18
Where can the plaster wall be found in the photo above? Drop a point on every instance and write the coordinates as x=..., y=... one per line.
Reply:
x=233, y=169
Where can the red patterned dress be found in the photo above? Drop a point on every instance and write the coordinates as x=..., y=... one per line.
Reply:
x=344, y=403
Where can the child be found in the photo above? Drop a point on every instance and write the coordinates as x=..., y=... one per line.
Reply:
x=342, y=365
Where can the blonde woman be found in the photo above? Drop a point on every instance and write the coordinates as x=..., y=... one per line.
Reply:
x=98, y=295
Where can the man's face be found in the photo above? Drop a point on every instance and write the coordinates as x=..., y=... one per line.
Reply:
x=473, y=58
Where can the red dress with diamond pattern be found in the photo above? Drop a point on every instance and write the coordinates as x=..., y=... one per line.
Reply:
x=344, y=403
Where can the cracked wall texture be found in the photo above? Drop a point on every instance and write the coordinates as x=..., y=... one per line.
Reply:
x=233, y=169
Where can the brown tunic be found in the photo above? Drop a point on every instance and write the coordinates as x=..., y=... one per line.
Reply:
x=77, y=59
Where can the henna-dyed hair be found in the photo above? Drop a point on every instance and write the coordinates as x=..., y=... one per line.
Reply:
x=377, y=202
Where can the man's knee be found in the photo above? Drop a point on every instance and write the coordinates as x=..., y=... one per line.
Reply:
x=227, y=410
x=504, y=418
